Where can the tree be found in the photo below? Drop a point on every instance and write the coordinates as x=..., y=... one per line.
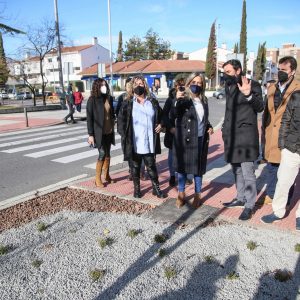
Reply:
x=120, y=48
x=7, y=29
x=4, y=71
x=211, y=56
x=260, y=63
x=236, y=48
x=135, y=49
x=40, y=42
x=243, y=36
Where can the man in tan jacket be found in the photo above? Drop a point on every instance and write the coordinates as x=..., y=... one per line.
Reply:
x=278, y=96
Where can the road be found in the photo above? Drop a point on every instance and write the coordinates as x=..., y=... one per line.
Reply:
x=40, y=157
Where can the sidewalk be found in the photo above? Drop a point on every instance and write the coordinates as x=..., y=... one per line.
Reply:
x=218, y=187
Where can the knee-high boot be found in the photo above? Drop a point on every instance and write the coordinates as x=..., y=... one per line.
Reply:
x=137, y=188
x=106, y=170
x=99, y=167
x=156, y=189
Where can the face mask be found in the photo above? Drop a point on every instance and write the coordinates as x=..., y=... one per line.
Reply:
x=103, y=89
x=229, y=79
x=196, y=89
x=282, y=76
x=139, y=90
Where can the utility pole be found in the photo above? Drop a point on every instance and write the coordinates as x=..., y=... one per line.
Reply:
x=110, y=49
x=217, y=64
x=60, y=76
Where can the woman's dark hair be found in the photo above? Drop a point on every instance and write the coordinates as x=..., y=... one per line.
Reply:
x=236, y=64
x=96, y=88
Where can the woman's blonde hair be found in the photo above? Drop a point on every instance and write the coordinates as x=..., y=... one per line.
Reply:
x=190, y=79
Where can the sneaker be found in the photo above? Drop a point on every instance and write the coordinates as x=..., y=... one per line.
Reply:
x=297, y=223
x=234, y=203
x=269, y=219
x=246, y=214
x=172, y=181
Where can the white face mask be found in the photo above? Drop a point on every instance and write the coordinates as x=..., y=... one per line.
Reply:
x=103, y=89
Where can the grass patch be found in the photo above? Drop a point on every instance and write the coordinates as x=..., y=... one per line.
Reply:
x=297, y=247
x=251, y=245
x=209, y=259
x=162, y=252
x=105, y=242
x=4, y=107
x=97, y=274
x=3, y=249
x=233, y=275
x=160, y=238
x=283, y=275
x=36, y=263
x=41, y=226
x=169, y=272
x=132, y=233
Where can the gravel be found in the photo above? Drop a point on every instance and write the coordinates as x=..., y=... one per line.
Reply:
x=56, y=263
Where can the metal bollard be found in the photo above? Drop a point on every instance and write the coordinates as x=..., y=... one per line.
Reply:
x=26, y=117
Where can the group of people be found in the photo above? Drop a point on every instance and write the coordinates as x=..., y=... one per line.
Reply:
x=185, y=121
x=74, y=101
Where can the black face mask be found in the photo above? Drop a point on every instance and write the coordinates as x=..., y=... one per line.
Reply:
x=282, y=76
x=139, y=90
x=229, y=79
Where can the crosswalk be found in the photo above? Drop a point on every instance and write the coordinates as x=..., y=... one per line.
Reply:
x=63, y=144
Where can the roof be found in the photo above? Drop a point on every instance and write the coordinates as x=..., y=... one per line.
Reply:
x=150, y=67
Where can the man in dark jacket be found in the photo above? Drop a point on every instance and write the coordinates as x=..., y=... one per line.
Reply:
x=289, y=144
x=240, y=134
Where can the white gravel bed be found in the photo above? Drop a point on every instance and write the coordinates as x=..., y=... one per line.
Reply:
x=68, y=250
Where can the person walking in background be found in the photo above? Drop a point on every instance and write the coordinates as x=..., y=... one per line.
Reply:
x=289, y=145
x=78, y=98
x=191, y=139
x=169, y=122
x=70, y=104
x=240, y=134
x=278, y=97
x=139, y=124
x=100, y=125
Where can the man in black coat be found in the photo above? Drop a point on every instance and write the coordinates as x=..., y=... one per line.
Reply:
x=240, y=134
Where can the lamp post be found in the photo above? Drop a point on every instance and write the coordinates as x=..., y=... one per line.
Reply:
x=110, y=49
x=217, y=66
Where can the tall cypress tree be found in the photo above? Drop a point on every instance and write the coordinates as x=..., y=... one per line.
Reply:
x=236, y=48
x=4, y=72
x=243, y=36
x=211, y=56
x=120, y=48
x=260, y=64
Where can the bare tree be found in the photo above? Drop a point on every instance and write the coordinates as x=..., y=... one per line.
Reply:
x=40, y=41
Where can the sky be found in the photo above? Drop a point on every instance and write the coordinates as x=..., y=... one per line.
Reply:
x=184, y=23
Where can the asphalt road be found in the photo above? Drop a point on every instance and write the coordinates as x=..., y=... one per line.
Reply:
x=58, y=153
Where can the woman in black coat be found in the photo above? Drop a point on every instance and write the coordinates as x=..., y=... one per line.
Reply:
x=100, y=125
x=191, y=139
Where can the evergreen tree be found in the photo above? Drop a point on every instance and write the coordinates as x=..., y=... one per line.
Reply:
x=120, y=48
x=243, y=36
x=236, y=48
x=4, y=72
x=211, y=56
x=260, y=64
x=7, y=29
x=134, y=49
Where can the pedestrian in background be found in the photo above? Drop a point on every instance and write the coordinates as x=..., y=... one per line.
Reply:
x=191, y=139
x=139, y=123
x=100, y=125
x=279, y=94
x=70, y=104
x=289, y=145
x=78, y=98
x=240, y=134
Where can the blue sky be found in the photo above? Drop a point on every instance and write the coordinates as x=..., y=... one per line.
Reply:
x=185, y=23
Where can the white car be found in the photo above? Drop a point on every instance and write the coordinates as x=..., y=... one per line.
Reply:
x=3, y=95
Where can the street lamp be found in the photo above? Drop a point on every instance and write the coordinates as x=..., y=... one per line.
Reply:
x=110, y=49
x=217, y=63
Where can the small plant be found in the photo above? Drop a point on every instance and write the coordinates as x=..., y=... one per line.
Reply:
x=105, y=242
x=170, y=272
x=132, y=233
x=41, y=226
x=72, y=230
x=106, y=231
x=251, y=245
x=232, y=275
x=160, y=238
x=209, y=259
x=162, y=252
x=3, y=249
x=283, y=275
x=36, y=263
x=297, y=247
x=97, y=274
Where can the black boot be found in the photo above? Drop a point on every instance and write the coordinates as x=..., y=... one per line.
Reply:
x=156, y=190
x=137, y=188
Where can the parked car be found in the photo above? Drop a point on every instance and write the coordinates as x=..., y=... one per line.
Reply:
x=3, y=95
x=24, y=96
x=219, y=94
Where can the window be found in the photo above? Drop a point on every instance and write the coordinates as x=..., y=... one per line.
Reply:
x=49, y=60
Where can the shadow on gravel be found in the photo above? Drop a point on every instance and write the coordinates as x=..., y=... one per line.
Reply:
x=270, y=288
x=150, y=257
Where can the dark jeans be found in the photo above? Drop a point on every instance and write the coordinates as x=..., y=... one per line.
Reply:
x=78, y=107
x=149, y=160
x=70, y=114
x=104, y=150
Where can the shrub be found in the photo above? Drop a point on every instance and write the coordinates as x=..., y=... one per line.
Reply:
x=160, y=238
x=3, y=249
x=105, y=242
x=132, y=233
x=41, y=226
x=97, y=274
x=36, y=263
x=162, y=252
x=232, y=275
x=297, y=247
x=251, y=245
x=169, y=272
x=209, y=259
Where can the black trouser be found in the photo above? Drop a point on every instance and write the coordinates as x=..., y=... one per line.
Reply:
x=104, y=150
x=149, y=160
x=70, y=114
